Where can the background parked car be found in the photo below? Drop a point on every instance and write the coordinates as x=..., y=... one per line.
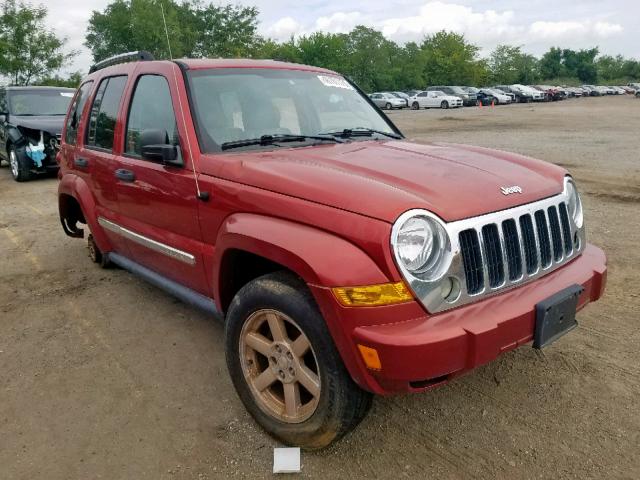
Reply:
x=31, y=119
x=387, y=101
x=499, y=97
x=468, y=99
x=518, y=95
x=434, y=99
x=402, y=95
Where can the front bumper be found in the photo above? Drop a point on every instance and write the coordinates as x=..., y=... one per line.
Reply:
x=420, y=352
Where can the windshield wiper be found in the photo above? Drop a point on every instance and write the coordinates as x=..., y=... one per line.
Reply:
x=362, y=132
x=278, y=138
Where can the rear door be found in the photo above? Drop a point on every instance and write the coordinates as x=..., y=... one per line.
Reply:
x=158, y=202
x=94, y=158
x=4, y=109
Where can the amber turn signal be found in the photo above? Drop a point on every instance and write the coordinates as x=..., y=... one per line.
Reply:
x=372, y=295
x=370, y=357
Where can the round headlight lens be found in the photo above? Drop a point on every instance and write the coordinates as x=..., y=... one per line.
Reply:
x=574, y=205
x=420, y=244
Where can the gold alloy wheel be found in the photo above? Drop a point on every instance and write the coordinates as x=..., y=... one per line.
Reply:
x=279, y=366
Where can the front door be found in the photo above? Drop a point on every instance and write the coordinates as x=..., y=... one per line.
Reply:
x=157, y=202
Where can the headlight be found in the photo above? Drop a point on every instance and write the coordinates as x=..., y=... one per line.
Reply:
x=574, y=205
x=421, y=244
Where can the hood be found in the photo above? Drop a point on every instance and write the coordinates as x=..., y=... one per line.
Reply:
x=384, y=179
x=51, y=124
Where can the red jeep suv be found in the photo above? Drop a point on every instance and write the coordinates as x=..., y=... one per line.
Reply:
x=343, y=259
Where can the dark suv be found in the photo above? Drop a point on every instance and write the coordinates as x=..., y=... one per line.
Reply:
x=468, y=99
x=31, y=120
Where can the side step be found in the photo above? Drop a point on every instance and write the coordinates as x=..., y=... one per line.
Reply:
x=181, y=292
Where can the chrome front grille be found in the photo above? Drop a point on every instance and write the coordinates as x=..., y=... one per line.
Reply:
x=513, y=249
x=491, y=253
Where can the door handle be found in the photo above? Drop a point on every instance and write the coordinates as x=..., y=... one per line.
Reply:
x=125, y=175
x=81, y=162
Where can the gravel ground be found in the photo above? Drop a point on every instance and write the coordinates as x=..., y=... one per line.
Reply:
x=104, y=376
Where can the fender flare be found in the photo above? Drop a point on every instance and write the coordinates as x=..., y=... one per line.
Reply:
x=320, y=258
x=75, y=187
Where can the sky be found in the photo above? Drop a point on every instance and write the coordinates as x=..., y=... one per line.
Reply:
x=613, y=25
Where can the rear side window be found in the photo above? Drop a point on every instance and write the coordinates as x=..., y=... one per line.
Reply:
x=104, y=111
x=151, y=109
x=73, y=119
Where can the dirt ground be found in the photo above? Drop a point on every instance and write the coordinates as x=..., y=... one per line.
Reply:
x=105, y=377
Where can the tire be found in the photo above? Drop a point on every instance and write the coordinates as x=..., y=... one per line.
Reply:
x=317, y=420
x=388, y=106
x=444, y=104
x=415, y=106
x=96, y=255
x=19, y=165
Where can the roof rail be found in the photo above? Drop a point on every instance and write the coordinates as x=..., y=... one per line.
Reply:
x=122, y=58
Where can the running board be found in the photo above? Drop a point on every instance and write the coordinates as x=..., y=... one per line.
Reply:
x=181, y=292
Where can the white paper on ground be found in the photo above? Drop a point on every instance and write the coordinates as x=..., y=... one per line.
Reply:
x=286, y=460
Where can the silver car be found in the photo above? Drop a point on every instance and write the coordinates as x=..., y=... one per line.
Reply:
x=387, y=101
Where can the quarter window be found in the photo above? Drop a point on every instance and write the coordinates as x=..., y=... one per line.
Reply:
x=151, y=109
x=73, y=119
x=104, y=111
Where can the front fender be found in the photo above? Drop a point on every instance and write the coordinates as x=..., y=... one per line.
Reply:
x=76, y=187
x=318, y=257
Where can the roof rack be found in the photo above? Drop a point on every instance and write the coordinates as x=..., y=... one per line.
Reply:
x=122, y=58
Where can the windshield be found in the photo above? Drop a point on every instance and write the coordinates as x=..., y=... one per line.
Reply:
x=39, y=102
x=235, y=104
x=457, y=90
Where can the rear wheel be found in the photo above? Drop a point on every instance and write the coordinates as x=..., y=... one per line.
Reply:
x=388, y=106
x=19, y=164
x=444, y=104
x=285, y=367
x=95, y=254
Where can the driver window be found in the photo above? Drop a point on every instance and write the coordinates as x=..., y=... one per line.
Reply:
x=151, y=109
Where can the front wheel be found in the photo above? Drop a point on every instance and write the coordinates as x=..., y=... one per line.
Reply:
x=19, y=164
x=388, y=106
x=415, y=106
x=285, y=367
x=444, y=104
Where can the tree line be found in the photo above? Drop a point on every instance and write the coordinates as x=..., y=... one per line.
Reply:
x=31, y=53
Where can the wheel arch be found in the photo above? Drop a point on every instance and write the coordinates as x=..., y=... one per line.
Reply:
x=264, y=244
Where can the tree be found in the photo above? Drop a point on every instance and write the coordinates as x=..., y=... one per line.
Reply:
x=450, y=60
x=72, y=81
x=195, y=29
x=27, y=48
x=551, y=64
x=508, y=65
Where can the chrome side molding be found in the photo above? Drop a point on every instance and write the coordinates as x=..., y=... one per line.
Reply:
x=159, y=247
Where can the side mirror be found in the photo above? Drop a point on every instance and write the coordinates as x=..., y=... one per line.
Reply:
x=155, y=146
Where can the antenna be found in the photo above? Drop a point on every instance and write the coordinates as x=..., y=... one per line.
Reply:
x=201, y=195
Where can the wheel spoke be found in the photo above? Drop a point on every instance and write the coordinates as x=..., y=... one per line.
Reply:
x=259, y=343
x=276, y=325
x=301, y=345
x=264, y=380
x=291, y=398
x=309, y=380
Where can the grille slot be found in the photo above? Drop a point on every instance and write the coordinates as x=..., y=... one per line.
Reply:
x=493, y=254
x=512, y=248
x=543, y=238
x=472, y=261
x=566, y=229
x=556, y=236
x=529, y=243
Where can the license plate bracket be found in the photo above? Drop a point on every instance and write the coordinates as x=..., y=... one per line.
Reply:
x=556, y=316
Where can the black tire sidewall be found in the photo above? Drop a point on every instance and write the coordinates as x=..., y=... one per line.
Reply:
x=290, y=296
x=23, y=164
